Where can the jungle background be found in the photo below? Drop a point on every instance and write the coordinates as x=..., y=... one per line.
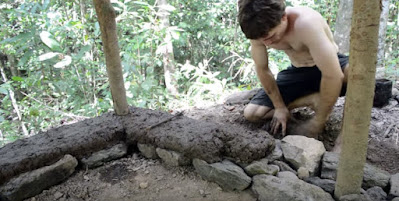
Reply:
x=175, y=54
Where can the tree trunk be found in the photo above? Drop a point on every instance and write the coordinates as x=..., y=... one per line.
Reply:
x=167, y=51
x=343, y=25
x=106, y=18
x=359, y=98
x=382, y=33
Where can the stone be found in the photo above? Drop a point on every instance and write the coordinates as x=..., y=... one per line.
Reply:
x=329, y=165
x=269, y=187
x=355, y=197
x=261, y=167
x=394, y=183
x=326, y=184
x=287, y=175
x=58, y=195
x=148, y=150
x=373, y=176
x=395, y=199
x=228, y=175
x=32, y=183
x=395, y=92
x=303, y=173
x=143, y=185
x=172, y=158
x=103, y=156
x=283, y=166
x=376, y=193
x=277, y=153
x=302, y=151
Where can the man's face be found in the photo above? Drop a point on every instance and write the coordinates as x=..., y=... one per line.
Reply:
x=276, y=34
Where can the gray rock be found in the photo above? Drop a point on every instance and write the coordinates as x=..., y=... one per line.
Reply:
x=395, y=199
x=376, y=193
x=303, y=173
x=395, y=92
x=172, y=158
x=394, y=182
x=148, y=150
x=261, y=167
x=32, y=183
x=329, y=165
x=103, y=156
x=229, y=176
x=326, y=184
x=277, y=153
x=283, y=166
x=302, y=151
x=373, y=176
x=271, y=188
x=242, y=97
x=355, y=197
x=287, y=175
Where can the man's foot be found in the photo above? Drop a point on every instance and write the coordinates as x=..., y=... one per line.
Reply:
x=308, y=128
x=337, y=148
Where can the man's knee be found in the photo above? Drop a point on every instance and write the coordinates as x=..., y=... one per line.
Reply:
x=256, y=113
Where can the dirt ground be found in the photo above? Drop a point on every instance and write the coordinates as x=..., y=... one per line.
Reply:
x=137, y=178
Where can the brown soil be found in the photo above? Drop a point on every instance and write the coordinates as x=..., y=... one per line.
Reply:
x=137, y=178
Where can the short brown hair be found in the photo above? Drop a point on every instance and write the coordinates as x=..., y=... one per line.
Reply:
x=258, y=17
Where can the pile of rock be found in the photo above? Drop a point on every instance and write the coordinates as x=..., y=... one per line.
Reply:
x=34, y=182
x=298, y=169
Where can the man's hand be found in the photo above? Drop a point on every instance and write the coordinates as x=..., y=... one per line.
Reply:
x=280, y=118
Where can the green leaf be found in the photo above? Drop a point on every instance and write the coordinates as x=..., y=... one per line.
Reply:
x=48, y=55
x=50, y=41
x=82, y=52
x=25, y=58
x=1, y=118
x=65, y=62
x=21, y=38
x=18, y=79
x=34, y=112
x=3, y=91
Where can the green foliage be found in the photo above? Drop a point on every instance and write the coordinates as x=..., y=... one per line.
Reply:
x=56, y=67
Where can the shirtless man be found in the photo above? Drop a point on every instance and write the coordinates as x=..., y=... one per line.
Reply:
x=316, y=76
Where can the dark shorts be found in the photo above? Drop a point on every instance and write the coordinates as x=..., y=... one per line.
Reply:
x=294, y=83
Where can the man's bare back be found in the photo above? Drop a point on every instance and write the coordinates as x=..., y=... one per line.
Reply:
x=292, y=44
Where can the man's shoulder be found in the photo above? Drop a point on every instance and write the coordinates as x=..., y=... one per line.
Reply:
x=308, y=19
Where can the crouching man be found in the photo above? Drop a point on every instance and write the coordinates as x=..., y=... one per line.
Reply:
x=317, y=74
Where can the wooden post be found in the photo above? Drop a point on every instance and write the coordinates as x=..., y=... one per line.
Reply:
x=106, y=18
x=359, y=96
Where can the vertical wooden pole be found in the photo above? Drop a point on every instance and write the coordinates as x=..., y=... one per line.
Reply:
x=359, y=96
x=106, y=17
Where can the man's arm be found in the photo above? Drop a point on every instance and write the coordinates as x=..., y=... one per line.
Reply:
x=281, y=113
x=324, y=54
x=260, y=57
